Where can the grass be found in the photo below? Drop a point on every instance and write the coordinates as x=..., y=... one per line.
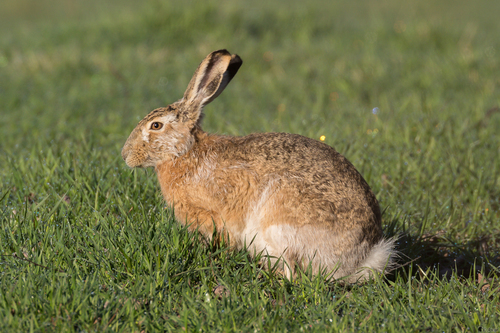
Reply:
x=407, y=91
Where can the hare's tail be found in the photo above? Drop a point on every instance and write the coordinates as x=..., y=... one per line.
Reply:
x=381, y=259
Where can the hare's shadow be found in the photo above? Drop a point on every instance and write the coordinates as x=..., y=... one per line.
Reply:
x=443, y=256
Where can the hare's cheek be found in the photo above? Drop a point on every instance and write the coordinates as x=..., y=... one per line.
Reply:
x=181, y=144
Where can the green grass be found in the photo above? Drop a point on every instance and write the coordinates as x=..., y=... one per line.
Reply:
x=87, y=245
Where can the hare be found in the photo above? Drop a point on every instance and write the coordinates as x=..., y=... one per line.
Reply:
x=284, y=195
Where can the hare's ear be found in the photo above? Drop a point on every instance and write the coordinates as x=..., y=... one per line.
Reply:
x=211, y=77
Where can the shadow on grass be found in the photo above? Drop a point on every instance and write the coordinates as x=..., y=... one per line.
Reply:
x=444, y=257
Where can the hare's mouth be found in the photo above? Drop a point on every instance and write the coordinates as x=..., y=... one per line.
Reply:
x=130, y=159
x=131, y=163
x=137, y=161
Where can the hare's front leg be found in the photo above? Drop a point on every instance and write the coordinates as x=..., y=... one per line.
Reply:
x=199, y=219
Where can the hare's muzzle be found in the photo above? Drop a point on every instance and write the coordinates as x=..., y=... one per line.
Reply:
x=125, y=154
x=128, y=155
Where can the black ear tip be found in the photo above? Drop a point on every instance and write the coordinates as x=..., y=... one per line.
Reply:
x=235, y=59
x=234, y=64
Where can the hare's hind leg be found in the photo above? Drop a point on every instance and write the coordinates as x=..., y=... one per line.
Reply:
x=268, y=225
x=280, y=250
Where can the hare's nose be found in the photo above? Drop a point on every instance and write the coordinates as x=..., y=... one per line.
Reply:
x=125, y=152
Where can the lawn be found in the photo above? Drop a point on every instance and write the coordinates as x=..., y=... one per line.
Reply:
x=408, y=91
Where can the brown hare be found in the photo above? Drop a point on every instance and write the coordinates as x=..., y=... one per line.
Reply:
x=289, y=196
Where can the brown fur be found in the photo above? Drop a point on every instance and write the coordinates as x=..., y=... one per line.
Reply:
x=294, y=197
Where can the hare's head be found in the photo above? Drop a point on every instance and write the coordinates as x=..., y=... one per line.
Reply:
x=166, y=133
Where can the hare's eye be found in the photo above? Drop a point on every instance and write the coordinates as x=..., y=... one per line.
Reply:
x=156, y=125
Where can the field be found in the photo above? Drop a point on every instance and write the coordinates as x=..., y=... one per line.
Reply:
x=408, y=91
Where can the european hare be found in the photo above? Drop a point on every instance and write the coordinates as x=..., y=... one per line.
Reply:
x=292, y=197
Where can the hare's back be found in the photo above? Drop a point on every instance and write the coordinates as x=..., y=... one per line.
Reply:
x=293, y=154
x=310, y=169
